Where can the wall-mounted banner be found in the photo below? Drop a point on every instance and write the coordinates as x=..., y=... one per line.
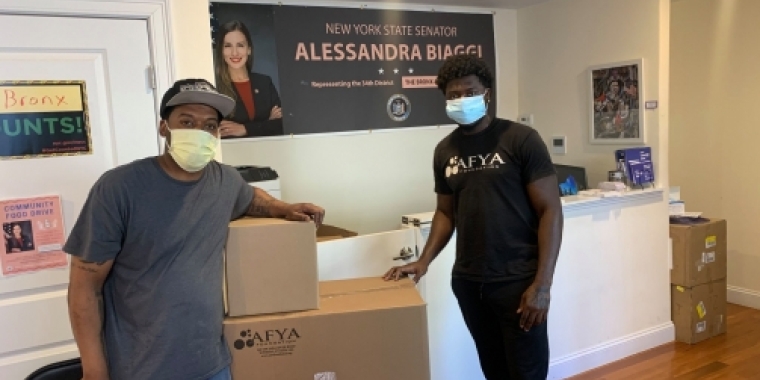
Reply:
x=43, y=118
x=303, y=70
x=32, y=235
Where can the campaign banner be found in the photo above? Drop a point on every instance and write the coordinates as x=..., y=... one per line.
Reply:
x=33, y=235
x=304, y=70
x=43, y=118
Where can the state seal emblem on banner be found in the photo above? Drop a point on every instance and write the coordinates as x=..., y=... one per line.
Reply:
x=399, y=107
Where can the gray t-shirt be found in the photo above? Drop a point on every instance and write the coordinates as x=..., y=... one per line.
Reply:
x=163, y=298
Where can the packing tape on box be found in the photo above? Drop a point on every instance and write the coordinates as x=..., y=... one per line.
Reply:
x=367, y=290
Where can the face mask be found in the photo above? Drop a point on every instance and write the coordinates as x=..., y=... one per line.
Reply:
x=466, y=111
x=192, y=149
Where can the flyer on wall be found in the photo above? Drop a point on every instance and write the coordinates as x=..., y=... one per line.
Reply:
x=33, y=235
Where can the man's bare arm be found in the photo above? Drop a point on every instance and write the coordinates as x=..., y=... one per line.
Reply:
x=87, y=314
x=264, y=205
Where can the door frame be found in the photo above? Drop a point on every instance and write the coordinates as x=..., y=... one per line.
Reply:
x=154, y=12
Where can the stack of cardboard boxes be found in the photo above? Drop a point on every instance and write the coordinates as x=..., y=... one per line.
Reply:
x=698, y=280
x=283, y=324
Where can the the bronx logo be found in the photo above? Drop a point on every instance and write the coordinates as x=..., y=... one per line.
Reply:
x=457, y=165
x=267, y=337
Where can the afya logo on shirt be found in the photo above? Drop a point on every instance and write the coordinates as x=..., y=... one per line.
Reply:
x=269, y=337
x=469, y=164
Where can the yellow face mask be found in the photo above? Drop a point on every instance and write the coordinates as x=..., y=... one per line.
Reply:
x=192, y=149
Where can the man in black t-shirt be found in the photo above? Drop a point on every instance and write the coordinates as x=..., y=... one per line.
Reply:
x=496, y=185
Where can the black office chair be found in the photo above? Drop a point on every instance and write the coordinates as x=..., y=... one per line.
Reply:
x=65, y=370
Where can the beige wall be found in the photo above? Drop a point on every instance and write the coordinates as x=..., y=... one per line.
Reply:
x=714, y=132
x=559, y=40
x=366, y=181
x=191, y=39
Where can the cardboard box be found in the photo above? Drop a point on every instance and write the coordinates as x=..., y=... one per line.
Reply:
x=699, y=312
x=365, y=329
x=699, y=253
x=270, y=267
x=327, y=232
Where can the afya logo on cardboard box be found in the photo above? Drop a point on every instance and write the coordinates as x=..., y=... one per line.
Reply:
x=250, y=338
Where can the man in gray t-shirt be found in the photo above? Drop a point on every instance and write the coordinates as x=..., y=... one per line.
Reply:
x=145, y=294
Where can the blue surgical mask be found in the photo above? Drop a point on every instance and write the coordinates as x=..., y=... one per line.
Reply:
x=466, y=111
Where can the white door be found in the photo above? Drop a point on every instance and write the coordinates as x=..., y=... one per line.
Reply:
x=111, y=56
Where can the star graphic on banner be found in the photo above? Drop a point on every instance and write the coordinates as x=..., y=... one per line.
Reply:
x=381, y=71
x=214, y=23
x=411, y=70
x=395, y=71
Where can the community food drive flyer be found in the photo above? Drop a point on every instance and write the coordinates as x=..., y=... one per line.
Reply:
x=33, y=235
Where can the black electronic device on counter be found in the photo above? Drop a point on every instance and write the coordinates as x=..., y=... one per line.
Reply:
x=257, y=173
x=572, y=179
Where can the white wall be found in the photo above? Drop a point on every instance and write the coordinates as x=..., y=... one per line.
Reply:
x=364, y=181
x=715, y=58
x=559, y=40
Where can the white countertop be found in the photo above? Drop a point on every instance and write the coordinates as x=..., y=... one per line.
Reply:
x=577, y=202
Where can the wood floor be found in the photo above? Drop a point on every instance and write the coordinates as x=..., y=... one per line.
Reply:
x=735, y=355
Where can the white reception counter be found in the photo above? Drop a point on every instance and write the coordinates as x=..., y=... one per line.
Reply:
x=610, y=297
x=611, y=293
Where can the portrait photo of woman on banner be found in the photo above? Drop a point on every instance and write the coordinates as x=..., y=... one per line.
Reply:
x=258, y=110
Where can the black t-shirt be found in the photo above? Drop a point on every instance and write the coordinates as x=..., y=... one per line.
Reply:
x=487, y=173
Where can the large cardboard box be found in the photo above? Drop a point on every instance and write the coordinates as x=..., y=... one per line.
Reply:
x=699, y=253
x=699, y=312
x=270, y=267
x=365, y=329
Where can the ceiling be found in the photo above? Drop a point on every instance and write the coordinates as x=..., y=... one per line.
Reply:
x=507, y=4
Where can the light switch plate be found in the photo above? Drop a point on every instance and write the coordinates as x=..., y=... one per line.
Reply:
x=526, y=119
x=559, y=144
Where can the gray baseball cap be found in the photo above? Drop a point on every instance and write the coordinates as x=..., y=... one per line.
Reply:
x=196, y=91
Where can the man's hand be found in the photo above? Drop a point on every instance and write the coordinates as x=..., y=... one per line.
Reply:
x=230, y=128
x=534, y=306
x=275, y=113
x=305, y=212
x=417, y=269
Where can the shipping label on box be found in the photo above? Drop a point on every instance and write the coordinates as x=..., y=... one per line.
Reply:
x=699, y=253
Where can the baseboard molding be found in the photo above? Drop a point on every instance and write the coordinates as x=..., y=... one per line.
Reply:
x=744, y=297
x=612, y=351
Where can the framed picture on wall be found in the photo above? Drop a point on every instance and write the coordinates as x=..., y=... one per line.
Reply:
x=616, y=105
